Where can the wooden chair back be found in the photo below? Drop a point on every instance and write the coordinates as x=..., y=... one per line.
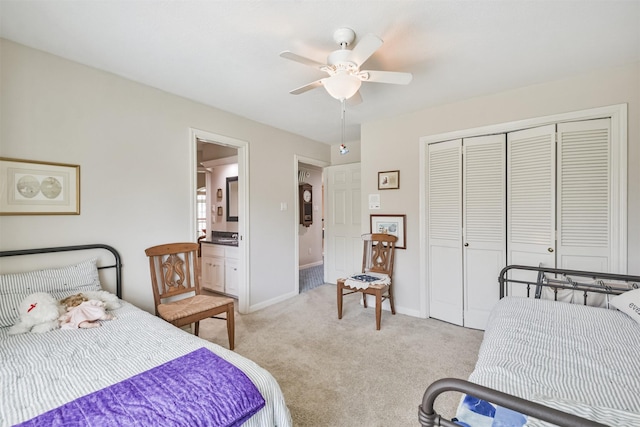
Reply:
x=174, y=270
x=378, y=253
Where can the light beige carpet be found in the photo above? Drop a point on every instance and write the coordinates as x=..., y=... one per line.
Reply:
x=343, y=372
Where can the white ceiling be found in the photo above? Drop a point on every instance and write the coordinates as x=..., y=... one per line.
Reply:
x=226, y=53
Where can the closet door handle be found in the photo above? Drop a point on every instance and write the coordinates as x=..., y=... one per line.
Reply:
x=550, y=249
x=466, y=244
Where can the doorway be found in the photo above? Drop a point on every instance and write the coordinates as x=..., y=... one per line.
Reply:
x=209, y=152
x=309, y=223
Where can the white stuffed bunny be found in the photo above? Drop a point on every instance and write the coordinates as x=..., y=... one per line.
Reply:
x=39, y=313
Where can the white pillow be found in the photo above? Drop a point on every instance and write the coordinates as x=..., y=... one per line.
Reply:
x=59, y=282
x=628, y=303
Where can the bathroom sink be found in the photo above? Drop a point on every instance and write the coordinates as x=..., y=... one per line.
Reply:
x=225, y=241
x=229, y=238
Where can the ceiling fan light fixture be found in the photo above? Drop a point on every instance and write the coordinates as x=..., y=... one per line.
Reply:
x=342, y=85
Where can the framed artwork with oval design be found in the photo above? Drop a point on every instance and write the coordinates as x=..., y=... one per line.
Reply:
x=30, y=187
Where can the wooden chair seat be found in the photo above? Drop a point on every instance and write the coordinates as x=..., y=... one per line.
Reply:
x=175, y=277
x=378, y=256
x=192, y=306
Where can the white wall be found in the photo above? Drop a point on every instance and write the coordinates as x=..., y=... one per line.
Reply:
x=606, y=87
x=132, y=143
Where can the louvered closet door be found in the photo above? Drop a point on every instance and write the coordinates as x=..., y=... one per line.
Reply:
x=444, y=240
x=584, y=195
x=531, y=171
x=484, y=249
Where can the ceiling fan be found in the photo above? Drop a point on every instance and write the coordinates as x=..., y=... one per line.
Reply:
x=343, y=66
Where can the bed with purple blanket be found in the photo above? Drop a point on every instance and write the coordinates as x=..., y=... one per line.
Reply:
x=134, y=370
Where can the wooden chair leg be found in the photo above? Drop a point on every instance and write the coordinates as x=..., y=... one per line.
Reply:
x=378, y=308
x=197, y=329
x=364, y=299
x=393, y=307
x=231, y=326
x=339, y=289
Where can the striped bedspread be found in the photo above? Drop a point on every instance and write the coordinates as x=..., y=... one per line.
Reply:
x=41, y=372
x=578, y=359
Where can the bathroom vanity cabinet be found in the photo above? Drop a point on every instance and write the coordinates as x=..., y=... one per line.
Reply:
x=219, y=265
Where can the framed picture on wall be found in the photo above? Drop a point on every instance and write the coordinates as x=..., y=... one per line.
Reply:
x=32, y=187
x=389, y=180
x=390, y=224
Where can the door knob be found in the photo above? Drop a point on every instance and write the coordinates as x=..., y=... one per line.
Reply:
x=550, y=249
x=466, y=244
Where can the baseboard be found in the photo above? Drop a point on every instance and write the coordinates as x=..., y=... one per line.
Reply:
x=273, y=301
x=313, y=264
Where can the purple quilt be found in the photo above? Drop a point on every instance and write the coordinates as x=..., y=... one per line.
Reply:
x=198, y=389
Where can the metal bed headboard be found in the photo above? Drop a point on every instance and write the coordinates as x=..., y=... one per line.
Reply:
x=572, y=280
x=117, y=261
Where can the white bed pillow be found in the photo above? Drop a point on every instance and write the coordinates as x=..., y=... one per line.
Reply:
x=628, y=303
x=59, y=282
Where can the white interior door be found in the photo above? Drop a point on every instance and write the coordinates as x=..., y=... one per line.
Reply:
x=444, y=236
x=531, y=212
x=584, y=195
x=484, y=225
x=343, y=255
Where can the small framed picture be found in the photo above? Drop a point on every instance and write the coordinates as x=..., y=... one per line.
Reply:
x=389, y=180
x=32, y=187
x=390, y=224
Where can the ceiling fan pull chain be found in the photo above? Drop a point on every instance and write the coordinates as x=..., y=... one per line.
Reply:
x=343, y=113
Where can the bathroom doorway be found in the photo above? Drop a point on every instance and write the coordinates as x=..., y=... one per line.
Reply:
x=213, y=153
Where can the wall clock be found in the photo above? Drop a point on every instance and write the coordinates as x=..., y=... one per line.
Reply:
x=306, y=207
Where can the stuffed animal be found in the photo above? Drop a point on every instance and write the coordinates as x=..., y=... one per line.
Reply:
x=82, y=312
x=111, y=302
x=39, y=312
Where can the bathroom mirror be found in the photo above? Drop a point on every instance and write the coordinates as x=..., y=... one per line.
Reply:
x=232, y=199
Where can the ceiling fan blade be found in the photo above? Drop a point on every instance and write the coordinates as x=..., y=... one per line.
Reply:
x=393, y=77
x=307, y=87
x=301, y=59
x=364, y=49
x=355, y=99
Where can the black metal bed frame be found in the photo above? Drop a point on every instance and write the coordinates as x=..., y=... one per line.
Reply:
x=557, y=279
x=572, y=280
x=117, y=261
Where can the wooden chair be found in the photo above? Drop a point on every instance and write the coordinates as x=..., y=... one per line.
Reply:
x=379, y=250
x=174, y=273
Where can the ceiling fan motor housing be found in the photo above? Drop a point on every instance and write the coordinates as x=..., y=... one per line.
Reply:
x=344, y=36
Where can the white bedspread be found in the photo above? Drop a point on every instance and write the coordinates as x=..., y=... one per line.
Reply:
x=39, y=372
x=566, y=355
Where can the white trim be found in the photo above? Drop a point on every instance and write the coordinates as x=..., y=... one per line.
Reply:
x=297, y=159
x=244, y=272
x=422, y=230
x=311, y=264
x=273, y=301
x=209, y=164
x=593, y=113
x=619, y=189
x=619, y=119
